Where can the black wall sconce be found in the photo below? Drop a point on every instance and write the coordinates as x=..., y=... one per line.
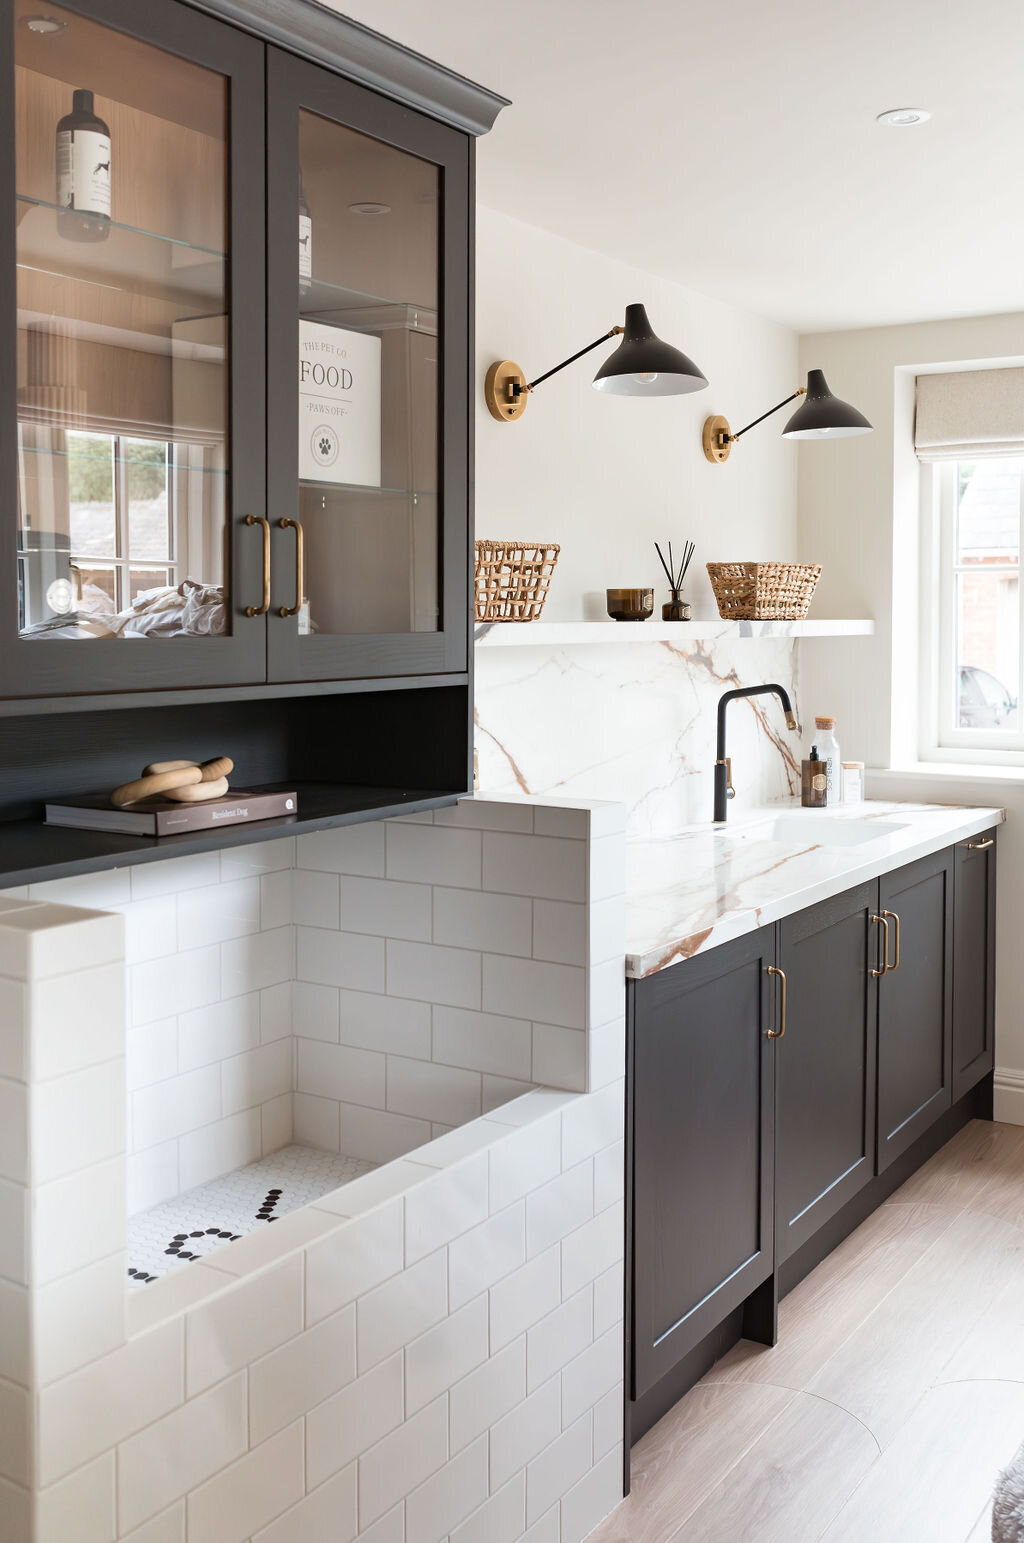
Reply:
x=642, y=365
x=821, y=416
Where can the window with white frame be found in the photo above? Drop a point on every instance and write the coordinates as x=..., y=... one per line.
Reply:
x=122, y=518
x=980, y=663
x=969, y=433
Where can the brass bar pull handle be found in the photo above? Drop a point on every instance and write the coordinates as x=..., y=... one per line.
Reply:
x=261, y=610
x=899, y=937
x=981, y=846
x=778, y=1033
x=883, y=921
x=300, y=567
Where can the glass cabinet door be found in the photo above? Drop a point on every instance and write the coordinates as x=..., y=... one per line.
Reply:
x=367, y=394
x=131, y=425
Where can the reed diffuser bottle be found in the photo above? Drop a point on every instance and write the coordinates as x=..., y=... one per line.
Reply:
x=676, y=609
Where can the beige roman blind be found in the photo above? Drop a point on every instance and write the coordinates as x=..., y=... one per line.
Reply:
x=969, y=415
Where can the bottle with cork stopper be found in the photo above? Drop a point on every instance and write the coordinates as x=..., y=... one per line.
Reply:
x=828, y=751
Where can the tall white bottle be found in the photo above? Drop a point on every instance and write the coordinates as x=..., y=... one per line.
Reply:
x=828, y=751
x=305, y=242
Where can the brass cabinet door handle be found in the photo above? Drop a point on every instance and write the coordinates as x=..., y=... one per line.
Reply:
x=883, y=921
x=773, y=969
x=899, y=936
x=981, y=846
x=300, y=567
x=261, y=610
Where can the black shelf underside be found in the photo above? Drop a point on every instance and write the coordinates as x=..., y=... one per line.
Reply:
x=31, y=852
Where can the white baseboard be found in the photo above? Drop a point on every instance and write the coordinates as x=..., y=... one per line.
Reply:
x=1009, y=1096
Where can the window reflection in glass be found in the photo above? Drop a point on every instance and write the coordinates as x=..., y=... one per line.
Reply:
x=122, y=340
x=369, y=299
x=987, y=596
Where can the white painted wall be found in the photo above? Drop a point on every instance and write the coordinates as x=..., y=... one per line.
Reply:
x=858, y=502
x=606, y=476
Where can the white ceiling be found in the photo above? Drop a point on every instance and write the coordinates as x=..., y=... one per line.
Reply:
x=733, y=146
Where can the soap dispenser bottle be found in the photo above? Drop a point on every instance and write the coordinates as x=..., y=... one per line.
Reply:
x=813, y=781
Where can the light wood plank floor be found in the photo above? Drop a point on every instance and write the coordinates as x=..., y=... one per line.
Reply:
x=895, y=1393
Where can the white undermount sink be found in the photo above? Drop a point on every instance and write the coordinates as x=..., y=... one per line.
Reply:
x=823, y=830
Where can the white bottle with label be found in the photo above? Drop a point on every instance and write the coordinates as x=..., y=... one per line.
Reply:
x=305, y=242
x=828, y=750
x=83, y=172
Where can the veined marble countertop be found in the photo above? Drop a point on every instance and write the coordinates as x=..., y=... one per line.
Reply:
x=689, y=892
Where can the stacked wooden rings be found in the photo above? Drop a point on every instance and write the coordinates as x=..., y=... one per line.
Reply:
x=184, y=782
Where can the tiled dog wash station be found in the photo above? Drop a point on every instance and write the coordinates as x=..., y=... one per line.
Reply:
x=356, y=1100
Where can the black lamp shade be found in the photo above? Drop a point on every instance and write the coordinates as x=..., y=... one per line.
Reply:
x=643, y=365
x=824, y=416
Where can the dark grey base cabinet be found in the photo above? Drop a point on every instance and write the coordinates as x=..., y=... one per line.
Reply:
x=703, y=1087
x=825, y=1064
x=974, y=961
x=776, y=1083
x=915, y=1001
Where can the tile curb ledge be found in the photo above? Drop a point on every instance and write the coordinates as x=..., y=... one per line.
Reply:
x=511, y=1119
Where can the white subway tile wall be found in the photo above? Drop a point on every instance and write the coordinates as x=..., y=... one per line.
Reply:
x=459, y=950
x=209, y=961
x=465, y=954
x=440, y=1360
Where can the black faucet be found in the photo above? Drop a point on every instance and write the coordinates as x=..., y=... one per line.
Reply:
x=723, y=766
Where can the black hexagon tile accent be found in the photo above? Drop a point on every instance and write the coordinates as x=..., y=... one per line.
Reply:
x=192, y=1225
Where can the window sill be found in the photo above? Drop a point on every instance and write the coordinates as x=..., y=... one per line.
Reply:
x=945, y=771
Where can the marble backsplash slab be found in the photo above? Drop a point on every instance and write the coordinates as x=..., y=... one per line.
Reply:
x=637, y=724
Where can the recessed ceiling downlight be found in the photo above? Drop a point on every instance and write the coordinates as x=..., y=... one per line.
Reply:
x=44, y=25
x=903, y=117
x=370, y=208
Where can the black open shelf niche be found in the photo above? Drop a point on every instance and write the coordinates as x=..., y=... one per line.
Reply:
x=350, y=757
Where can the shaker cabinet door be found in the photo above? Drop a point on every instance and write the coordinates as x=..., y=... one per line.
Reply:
x=915, y=1003
x=974, y=960
x=825, y=1064
x=134, y=382
x=702, y=1078
x=367, y=428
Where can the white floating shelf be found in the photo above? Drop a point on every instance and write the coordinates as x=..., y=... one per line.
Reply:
x=562, y=634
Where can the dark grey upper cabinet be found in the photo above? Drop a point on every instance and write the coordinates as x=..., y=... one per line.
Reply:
x=134, y=382
x=974, y=960
x=702, y=1078
x=825, y=1065
x=915, y=1003
x=238, y=361
x=369, y=354
x=309, y=29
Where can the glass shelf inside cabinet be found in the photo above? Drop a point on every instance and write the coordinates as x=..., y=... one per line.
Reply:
x=361, y=488
x=129, y=260
x=323, y=301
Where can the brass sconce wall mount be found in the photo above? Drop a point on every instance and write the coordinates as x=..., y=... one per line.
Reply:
x=821, y=416
x=642, y=366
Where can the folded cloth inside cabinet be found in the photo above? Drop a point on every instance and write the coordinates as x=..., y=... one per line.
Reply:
x=192, y=609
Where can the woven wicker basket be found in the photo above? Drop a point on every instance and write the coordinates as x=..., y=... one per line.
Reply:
x=512, y=579
x=763, y=591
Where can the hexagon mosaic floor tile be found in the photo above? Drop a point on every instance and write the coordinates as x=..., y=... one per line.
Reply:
x=192, y=1225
